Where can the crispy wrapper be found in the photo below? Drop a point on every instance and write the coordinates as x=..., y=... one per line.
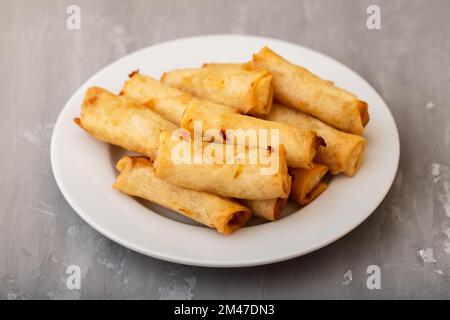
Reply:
x=308, y=184
x=301, y=145
x=248, y=91
x=121, y=121
x=235, y=178
x=167, y=101
x=343, y=151
x=271, y=209
x=137, y=178
x=298, y=88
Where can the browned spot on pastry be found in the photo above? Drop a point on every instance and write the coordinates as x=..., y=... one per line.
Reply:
x=185, y=211
x=91, y=100
x=319, y=142
x=133, y=73
x=238, y=172
x=223, y=133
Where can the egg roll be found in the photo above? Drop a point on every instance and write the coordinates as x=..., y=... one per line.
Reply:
x=248, y=91
x=122, y=122
x=308, y=184
x=137, y=178
x=167, y=101
x=271, y=209
x=343, y=151
x=301, y=145
x=234, y=177
x=300, y=89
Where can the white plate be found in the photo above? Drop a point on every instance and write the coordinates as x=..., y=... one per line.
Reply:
x=84, y=168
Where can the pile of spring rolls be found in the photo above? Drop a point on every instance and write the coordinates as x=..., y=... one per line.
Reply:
x=320, y=130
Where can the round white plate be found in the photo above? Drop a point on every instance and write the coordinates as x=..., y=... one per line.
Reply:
x=85, y=168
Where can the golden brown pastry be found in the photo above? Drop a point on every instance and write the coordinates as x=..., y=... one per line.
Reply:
x=228, y=178
x=137, y=178
x=308, y=184
x=301, y=145
x=167, y=101
x=121, y=121
x=343, y=151
x=298, y=88
x=248, y=91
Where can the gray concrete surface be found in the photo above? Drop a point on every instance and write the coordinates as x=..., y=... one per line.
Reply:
x=42, y=63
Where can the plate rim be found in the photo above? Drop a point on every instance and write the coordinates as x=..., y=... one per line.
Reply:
x=208, y=262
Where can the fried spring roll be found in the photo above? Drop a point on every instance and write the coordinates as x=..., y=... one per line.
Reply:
x=307, y=184
x=301, y=145
x=167, y=101
x=343, y=151
x=248, y=91
x=298, y=88
x=137, y=178
x=230, y=177
x=121, y=121
x=271, y=209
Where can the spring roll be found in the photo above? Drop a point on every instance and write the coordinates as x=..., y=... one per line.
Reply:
x=137, y=178
x=308, y=184
x=298, y=88
x=228, y=177
x=121, y=121
x=301, y=145
x=271, y=209
x=343, y=151
x=248, y=91
x=167, y=101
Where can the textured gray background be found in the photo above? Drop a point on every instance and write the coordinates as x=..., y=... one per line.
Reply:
x=42, y=64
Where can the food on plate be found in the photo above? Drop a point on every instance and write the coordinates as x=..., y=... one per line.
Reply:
x=137, y=178
x=308, y=184
x=227, y=141
x=121, y=121
x=248, y=91
x=297, y=88
x=234, y=177
x=343, y=151
x=301, y=145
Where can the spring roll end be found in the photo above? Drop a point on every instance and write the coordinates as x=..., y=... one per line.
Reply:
x=263, y=93
x=363, y=110
x=308, y=184
x=317, y=143
x=279, y=206
x=354, y=159
x=159, y=164
x=321, y=187
x=236, y=221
